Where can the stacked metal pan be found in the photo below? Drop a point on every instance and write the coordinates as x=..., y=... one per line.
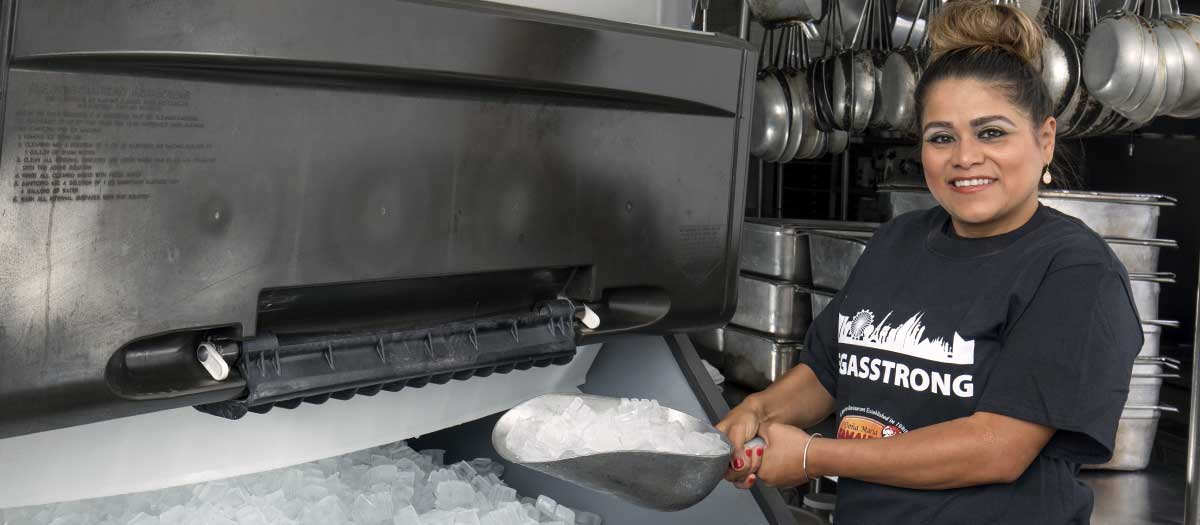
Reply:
x=1129, y=223
x=781, y=260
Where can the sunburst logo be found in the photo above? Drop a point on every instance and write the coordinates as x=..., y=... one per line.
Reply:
x=861, y=321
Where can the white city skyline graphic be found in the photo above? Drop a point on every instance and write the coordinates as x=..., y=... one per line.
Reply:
x=907, y=338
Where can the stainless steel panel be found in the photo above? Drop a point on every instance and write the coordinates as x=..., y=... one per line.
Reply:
x=775, y=307
x=1150, y=340
x=1134, y=443
x=1139, y=255
x=776, y=251
x=1129, y=215
x=1145, y=294
x=898, y=201
x=820, y=299
x=778, y=248
x=834, y=256
x=752, y=359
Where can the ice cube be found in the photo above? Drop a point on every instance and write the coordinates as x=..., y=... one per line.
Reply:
x=437, y=456
x=501, y=494
x=438, y=517
x=482, y=503
x=250, y=516
x=441, y=475
x=454, y=494
x=328, y=466
x=545, y=505
x=383, y=473
x=372, y=508
x=565, y=514
x=173, y=516
x=327, y=510
x=481, y=465
x=464, y=471
x=466, y=517
x=211, y=492
x=497, y=469
x=314, y=492
x=407, y=465
x=143, y=519
x=407, y=516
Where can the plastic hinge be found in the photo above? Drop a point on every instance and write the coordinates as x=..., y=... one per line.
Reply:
x=344, y=365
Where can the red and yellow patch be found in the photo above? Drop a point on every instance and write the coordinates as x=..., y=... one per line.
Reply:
x=856, y=427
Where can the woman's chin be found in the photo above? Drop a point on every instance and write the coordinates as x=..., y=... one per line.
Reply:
x=975, y=213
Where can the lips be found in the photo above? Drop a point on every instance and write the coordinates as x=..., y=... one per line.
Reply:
x=971, y=184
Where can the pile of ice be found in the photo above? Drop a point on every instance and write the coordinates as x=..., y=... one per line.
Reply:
x=392, y=485
x=635, y=424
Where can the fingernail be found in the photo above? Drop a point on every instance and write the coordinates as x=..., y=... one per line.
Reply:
x=760, y=452
x=738, y=464
x=749, y=453
x=752, y=479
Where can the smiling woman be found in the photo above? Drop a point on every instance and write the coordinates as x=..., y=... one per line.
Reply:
x=981, y=350
x=986, y=129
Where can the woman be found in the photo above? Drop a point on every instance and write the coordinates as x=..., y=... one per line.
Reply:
x=988, y=341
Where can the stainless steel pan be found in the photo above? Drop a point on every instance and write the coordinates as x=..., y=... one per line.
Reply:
x=1171, y=62
x=1135, y=438
x=796, y=92
x=1060, y=67
x=779, y=308
x=1125, y=215
x=750, y=359
x=1150, y=341
x=772, y=110
x=820, y=300
x=775, y=11
x=1145, y=288
x=834, y=255
x=1186, y=29
x=1113, y=59
x=1139, y=255
x=1188, y=44
x=779, y=249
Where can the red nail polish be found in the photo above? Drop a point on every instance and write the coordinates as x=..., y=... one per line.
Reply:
x=749, y=453
x=738, y=463
x=760, y=452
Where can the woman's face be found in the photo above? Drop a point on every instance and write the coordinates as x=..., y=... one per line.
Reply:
x=983, y=157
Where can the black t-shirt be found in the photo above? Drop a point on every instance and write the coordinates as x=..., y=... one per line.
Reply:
x=1036, y=324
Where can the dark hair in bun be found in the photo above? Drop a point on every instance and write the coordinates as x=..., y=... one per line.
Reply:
x=996, y=44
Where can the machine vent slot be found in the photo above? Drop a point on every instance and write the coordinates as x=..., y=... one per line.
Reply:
x=288, y=371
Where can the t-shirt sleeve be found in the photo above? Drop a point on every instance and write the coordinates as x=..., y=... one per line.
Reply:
x=1067, y=359
x=820, y=345
x=821, y=342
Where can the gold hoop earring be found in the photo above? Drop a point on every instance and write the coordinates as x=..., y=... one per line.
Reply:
x=1046, y=178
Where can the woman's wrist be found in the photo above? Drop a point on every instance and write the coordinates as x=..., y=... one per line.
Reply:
x=755, y=404
x=815, y=457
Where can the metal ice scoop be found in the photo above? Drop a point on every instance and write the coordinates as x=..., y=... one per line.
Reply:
x=656, y=480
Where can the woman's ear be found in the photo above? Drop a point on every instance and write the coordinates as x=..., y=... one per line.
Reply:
x=1046, y=137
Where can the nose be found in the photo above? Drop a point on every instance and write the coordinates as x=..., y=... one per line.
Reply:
x=967, y=153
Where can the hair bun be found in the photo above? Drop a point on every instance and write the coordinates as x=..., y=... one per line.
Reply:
x=982, y=25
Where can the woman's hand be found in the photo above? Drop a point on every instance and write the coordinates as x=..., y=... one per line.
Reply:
x=783, y=462
x=741, y=425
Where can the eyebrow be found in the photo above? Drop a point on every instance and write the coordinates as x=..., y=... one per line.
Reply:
x=974, y=122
